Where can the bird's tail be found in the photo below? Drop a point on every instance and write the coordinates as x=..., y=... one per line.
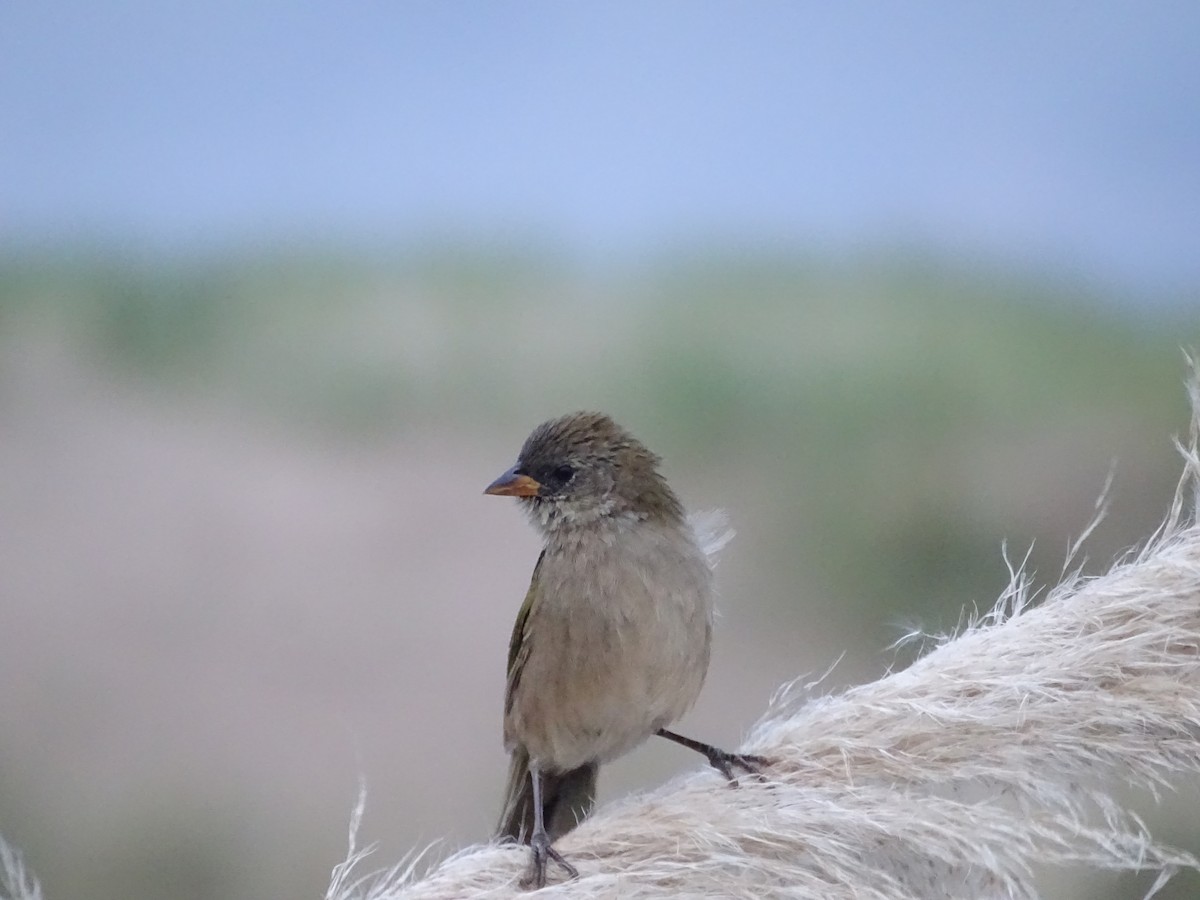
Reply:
x=567, y=797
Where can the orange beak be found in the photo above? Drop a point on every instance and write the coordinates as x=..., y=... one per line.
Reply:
x=512, y=484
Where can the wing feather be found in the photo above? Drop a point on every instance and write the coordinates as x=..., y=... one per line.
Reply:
x=518, y=644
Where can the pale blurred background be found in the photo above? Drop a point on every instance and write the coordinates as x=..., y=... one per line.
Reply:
x=282, y=289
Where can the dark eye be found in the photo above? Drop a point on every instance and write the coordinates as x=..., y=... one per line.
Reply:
x=563, y=474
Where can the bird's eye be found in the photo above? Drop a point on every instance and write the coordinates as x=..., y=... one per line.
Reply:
x=564, y=474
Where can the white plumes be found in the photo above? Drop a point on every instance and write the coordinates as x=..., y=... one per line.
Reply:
x=16, y=882
x=346, y=882
x=993, y=755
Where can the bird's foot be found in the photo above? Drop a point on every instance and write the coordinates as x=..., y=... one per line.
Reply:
x=725, y=762
x=542, y=852
x=721, y=760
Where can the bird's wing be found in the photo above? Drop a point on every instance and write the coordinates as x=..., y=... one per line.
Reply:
x=518, y=644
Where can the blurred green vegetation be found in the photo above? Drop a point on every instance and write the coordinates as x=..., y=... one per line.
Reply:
x=890, y=420
x=887, y=397
x=856, y=384
x=707, y=344
x=861, y=386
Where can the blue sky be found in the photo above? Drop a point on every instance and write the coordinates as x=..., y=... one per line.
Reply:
x=1056, y=133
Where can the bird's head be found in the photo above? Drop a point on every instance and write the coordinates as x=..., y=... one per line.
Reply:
x=583, y=468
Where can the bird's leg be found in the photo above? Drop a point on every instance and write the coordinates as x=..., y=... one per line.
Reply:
x=721, y=760
x=539, y=841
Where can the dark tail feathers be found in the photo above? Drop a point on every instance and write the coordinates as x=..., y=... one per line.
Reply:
x=567, y=797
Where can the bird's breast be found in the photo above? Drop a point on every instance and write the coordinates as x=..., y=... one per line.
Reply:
x=618, y=644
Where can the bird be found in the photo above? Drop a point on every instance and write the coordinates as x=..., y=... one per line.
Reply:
x=612, y=642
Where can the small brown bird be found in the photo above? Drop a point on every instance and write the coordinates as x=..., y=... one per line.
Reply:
x=612, y=642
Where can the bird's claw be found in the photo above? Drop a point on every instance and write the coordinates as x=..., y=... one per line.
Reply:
x=725, y=762
x=535, y=878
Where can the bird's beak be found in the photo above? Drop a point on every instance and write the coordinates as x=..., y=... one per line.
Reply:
x=512, y=484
